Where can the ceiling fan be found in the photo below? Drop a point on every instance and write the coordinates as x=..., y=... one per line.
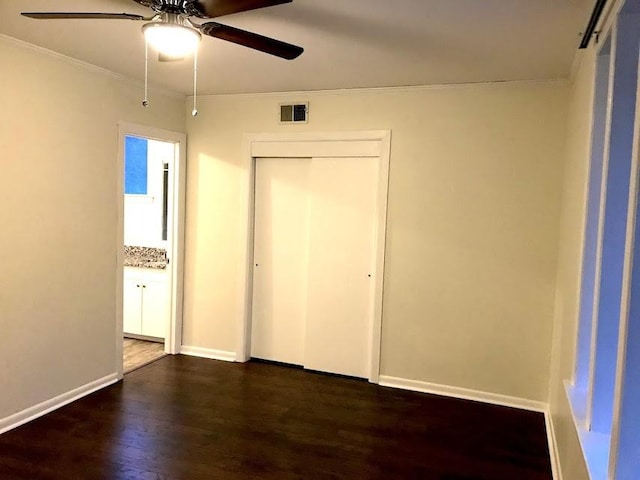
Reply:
x=172, y=32
x=170, y=29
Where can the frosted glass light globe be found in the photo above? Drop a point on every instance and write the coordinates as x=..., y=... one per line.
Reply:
x=171, y=40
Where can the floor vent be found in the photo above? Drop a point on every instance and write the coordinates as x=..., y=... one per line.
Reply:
x=294, y=113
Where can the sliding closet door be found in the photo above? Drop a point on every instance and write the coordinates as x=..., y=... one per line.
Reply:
x=315, y=230
x=342, y=236
x=280, y=259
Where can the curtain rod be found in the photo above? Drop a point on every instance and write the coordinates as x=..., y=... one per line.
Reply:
x=593, y=23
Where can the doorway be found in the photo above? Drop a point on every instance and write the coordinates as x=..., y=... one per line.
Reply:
x=150, y=258
x=332, y=150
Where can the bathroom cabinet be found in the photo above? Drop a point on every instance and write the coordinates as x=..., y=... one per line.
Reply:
x=145, y=303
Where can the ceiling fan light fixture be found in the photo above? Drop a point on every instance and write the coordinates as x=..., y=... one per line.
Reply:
x=171, y=39
x=172, y=34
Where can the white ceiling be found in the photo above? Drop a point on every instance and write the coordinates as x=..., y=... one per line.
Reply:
x=348, y=43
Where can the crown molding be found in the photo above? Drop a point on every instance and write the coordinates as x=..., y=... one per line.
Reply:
x=12, y=41
x=337, y=91
x=395, y=89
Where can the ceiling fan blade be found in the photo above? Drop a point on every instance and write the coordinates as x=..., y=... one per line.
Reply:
x=163, y=57
x=218, y=8
x=82, y=15
x=252, y=40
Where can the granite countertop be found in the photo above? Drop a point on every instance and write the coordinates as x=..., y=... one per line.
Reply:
x=145, y=257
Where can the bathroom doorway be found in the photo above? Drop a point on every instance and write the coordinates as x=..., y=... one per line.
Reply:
x=151, y=220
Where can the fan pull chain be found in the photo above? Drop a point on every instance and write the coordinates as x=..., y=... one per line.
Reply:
x=145, y=102
x=194, y=112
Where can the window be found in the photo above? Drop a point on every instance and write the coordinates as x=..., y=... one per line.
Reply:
x=605, y=399
x=135, y=165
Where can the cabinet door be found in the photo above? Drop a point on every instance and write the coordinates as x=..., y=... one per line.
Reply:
x=132, y=307
x=155, y=311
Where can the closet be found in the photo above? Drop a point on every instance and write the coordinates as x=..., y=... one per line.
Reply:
x=315, y=236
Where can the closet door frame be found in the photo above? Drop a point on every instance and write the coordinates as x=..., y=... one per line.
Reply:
x=370, y=143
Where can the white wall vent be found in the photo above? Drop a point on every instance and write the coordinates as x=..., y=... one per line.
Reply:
x=294, y=112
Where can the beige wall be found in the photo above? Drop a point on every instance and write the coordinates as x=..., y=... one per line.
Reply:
x=474, y=204
x=58, y=152
x=569, y=265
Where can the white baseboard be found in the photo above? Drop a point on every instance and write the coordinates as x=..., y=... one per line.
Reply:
x=208, y=353
x=31, y=413
x=553, y=446
x=485, y=397
x=463, y=393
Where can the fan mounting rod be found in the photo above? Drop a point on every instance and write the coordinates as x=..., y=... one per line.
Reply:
x=170, y=6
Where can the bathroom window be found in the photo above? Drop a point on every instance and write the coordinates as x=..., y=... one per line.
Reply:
x=135, y=161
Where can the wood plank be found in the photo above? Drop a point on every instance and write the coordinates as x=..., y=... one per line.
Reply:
x=191, y=418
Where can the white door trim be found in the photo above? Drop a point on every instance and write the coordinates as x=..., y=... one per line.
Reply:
x=375, y=143
x=176, y=255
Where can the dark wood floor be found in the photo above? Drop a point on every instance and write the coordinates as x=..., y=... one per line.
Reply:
x=190, y=418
